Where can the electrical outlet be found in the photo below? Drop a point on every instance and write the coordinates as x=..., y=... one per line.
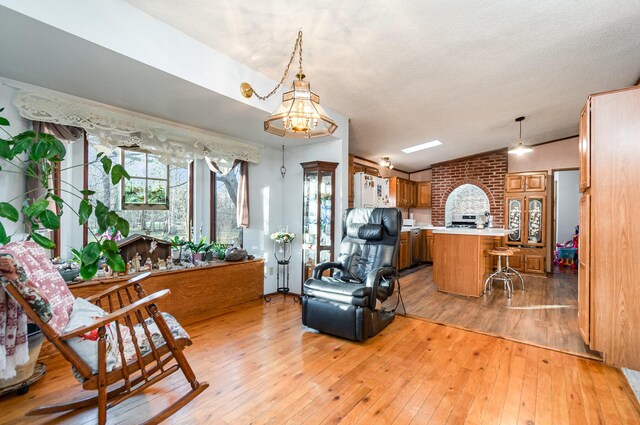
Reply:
x=270, y=270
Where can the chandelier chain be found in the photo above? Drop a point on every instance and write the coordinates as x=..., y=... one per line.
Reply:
x=297, y=47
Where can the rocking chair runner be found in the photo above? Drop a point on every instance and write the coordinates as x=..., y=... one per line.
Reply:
x=125, y=311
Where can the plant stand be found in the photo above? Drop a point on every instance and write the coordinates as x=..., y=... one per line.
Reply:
x=282, y=253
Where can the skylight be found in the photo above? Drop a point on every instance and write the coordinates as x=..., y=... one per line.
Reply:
x=427, y=145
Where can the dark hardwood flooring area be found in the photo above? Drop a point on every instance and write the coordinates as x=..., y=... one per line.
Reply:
x=545, y=313
x=265, y=367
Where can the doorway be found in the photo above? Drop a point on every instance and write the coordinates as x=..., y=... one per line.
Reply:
x=566, y=212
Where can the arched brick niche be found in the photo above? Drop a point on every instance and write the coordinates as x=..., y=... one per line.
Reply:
x=485, y=171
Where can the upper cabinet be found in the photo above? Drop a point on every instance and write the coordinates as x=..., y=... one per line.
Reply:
x=423, y=191
x=526, y=182
x=402, y=192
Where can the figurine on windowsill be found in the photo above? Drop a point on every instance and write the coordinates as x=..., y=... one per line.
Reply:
x=148, y=265
x=136, y=262
x=169, y=263
x=162, y=265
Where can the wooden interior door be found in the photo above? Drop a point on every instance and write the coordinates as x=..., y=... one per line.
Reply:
x=584, y=284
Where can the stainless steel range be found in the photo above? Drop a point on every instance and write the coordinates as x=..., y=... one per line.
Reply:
x=465, y=220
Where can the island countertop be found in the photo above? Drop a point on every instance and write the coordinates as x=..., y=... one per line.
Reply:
x=473, y=232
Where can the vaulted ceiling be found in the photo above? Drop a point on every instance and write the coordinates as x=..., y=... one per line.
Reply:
x=408, y=72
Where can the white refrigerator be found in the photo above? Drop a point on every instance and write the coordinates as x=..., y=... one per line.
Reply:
x=370, y=191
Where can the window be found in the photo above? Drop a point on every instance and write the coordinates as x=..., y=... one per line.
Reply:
x=163, y=191
x=149, y=187
x=224, y=200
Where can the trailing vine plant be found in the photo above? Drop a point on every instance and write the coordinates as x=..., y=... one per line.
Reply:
x=37, y=156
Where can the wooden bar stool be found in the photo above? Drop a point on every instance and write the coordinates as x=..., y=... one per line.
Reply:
x=508, y=269
x=499, y=274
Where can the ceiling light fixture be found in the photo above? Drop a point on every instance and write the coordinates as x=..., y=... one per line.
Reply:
x=300, y=115
x=520, y=148
x=423, y=146
x=386, y=162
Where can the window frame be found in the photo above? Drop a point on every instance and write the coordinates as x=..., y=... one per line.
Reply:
x=146, y=206
x=85, y=185
x=212, y=210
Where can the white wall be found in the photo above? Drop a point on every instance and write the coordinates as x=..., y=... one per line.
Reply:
x=12, y=184
x=292, y=198
x=567, y=204
x=265, y=211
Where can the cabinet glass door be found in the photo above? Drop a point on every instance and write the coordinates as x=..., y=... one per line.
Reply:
x=535, y=217
x=326, y=211
x=310, y=219
x=515, y=210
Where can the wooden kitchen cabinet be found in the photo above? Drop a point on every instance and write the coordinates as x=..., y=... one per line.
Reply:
x=535, y=182
x=525, y=182
x=402, y=192
x=423, y=191
x=514, y=183
x=609, y=241
x=584, y=266
x=526, y=216
x=585, y=148
x=426, y=245
x=404, y=260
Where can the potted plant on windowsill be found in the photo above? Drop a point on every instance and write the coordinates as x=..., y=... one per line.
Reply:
x=198, y=249
x=38, y=156
x=177, y=244
x=219, y=250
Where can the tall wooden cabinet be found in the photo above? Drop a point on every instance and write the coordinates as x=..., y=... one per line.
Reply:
x=526, y=215
x=318, y=214
x=608, y=279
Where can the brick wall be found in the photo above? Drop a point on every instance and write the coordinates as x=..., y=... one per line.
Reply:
x=485, y=171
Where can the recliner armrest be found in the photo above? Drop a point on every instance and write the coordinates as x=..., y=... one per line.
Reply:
x=373, y=280
x=321, y=267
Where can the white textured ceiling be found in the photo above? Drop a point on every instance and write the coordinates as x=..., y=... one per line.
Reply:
x=407, y=72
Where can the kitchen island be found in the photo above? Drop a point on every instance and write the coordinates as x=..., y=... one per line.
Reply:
x=460, y=262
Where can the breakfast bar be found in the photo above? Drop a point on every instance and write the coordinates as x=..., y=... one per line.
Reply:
x=460, y=262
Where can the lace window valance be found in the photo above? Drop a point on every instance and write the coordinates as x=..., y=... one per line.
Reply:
x=174, y=143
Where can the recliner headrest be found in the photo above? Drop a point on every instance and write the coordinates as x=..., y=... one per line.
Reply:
x=366, y=231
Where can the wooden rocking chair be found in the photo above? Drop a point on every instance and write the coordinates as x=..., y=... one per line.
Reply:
x=129, y=307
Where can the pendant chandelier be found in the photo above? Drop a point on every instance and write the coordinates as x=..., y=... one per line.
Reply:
x=520, y=148
x=300, y=115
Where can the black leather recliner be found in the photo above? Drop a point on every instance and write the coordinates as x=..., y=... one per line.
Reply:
x=344, y=304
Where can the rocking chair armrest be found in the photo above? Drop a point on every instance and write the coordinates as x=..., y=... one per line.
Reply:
x=116, y=288
x=118, y=314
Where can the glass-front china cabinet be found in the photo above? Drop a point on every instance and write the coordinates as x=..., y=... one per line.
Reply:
x=525, y=217
x=318, y=214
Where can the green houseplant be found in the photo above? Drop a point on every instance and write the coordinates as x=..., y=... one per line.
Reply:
x=38, y=156
x=198, y=249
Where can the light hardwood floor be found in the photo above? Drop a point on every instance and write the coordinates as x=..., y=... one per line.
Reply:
x=546, y=313
x=265, y=367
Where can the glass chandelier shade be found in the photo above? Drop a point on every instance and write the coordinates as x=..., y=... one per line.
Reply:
x=300, y=115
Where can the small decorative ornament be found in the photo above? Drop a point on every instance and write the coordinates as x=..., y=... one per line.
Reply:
x=153, y=246
x=162, y=265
